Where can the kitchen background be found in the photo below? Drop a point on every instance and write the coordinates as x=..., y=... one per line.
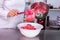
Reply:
x=54, y=11
x=12, y=34
x=54, y=3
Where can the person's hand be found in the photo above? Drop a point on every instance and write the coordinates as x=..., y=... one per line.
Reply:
x=12, y=13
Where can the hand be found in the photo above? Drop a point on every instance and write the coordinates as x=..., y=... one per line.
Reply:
x=12, y=13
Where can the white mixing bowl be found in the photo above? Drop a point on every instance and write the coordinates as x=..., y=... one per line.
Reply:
x=30, y=33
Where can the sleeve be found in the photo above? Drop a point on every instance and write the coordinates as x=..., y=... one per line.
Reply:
x=3, y=12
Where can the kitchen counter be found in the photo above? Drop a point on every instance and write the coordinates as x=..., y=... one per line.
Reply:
x=14, y=34
x=52, y=35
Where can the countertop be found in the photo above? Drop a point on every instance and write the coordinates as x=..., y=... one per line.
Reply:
x=14, y=34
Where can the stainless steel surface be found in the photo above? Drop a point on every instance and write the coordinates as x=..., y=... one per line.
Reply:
x=52, y=35
x=13, y=34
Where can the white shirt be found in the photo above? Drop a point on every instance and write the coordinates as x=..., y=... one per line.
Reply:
x=5, y=7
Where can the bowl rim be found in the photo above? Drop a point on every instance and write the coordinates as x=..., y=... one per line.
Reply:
x=29, y=29
x=29, y=23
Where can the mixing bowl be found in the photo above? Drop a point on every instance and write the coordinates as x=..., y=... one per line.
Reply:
x=30, y=33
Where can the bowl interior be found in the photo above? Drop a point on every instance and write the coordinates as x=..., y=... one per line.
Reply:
x=36, y=25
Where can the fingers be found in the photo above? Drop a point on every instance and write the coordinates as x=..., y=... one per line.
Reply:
x=12, y=13
x=15, y=11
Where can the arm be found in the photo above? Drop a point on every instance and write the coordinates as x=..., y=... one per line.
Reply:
x=6, y=10
x=3, y=11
